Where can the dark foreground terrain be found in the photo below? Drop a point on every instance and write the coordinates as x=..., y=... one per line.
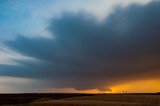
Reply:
x=51, y=99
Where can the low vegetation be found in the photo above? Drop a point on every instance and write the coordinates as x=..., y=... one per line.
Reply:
x=92, y=100
x=104, y=100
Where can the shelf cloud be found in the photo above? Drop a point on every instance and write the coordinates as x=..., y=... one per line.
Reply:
x=84, y=54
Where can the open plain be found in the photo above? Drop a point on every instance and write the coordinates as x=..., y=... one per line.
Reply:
x=80, y=99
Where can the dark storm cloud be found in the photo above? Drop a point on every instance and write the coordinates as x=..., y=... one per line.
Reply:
x=84, y=54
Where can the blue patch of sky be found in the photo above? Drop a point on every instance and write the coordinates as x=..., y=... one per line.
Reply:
x=23, y=17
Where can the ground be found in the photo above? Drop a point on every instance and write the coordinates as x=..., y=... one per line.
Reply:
x=81, y=100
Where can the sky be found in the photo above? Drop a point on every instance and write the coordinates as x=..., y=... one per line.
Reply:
x=84, y=46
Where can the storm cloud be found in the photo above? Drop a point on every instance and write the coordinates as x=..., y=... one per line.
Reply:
x=86, y=54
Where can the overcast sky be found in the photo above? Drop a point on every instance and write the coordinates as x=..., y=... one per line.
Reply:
x=77, y=45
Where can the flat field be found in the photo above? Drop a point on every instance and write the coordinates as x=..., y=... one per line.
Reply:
x=80, y=100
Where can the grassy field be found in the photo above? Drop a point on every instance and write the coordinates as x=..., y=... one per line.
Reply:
x=103, y=100
x=92, y=100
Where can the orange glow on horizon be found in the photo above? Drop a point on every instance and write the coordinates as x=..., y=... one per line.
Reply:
x=140, y=86
x=137, y=86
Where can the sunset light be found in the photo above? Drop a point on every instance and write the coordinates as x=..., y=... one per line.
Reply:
x=143, y=86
